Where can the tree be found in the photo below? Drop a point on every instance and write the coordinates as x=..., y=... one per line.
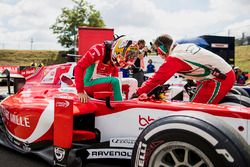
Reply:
x=66, y=25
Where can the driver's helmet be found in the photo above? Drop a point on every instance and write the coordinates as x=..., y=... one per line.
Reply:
x=124, y=52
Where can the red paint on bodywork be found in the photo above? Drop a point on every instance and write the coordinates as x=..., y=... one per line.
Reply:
x=63, y=123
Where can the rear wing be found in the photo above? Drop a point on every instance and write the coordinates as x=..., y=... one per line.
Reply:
x=19, y=80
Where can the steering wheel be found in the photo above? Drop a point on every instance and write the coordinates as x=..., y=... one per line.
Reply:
x=157, y=91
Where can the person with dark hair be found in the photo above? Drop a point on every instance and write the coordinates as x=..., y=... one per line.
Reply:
x=137, y=69
x=125, y=72
x=241, y=77
x=150, y=66
x=213, y=75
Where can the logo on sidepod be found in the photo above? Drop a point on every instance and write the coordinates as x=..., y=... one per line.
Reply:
x=64, y=104
x=144, y=121
x=59, y=153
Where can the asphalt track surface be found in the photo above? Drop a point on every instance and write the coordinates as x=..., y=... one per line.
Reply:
x=11, y=158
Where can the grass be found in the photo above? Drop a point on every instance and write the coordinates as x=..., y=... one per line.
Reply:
x=26, y=57
x=47, y=57
x=242, y=57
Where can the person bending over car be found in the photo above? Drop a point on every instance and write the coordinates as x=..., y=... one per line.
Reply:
x=98, y=68
x=213, y=75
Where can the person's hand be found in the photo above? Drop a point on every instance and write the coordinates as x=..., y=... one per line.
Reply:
x=134, y=95
x=141, y=56
x=145, y=49
x=83, y=97
x=143, y=96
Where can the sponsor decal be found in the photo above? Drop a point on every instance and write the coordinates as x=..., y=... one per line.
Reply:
x=59, y=153
x=21, y=145
x=144, y=121
x=226, y=154
x=16, y=142
x=12, y=69
x=28, y=71
x=141, y=153
x=67, y=90
x=96, y=52
x=16, y=119
x=150, y=149
x=49, y=77
x=26, y=147
x=63, y=104
x=64, y=97
x=219, y=45
x=9, y=137
x=193, y=49
x=122, y=142
x=110, y=153
x=60, y=156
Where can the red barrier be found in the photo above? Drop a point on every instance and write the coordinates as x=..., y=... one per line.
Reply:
x=88, y=36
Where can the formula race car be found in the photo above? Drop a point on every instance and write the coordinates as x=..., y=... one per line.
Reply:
x=44, y=117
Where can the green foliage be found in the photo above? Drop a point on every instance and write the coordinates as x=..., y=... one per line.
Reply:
x=66, y=25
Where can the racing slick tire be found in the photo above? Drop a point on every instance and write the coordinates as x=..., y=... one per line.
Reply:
x=190, y=139
x=239, y=91
x=235, y=100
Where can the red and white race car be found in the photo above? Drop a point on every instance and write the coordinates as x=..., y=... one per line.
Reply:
x=46, y=118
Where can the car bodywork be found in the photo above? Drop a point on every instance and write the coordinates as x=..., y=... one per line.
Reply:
x=46, y=118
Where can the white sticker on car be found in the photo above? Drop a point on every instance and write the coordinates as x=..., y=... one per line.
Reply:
x=124, y=142
x=110, y=153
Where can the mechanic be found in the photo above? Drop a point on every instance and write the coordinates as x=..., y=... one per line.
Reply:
x=137, y=68
x=98, y=69
x=214, y=76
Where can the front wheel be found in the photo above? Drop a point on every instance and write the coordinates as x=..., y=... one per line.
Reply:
x=179, y=153
x=185, y=141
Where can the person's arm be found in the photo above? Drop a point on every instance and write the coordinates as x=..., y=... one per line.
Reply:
x=115, y=72
x=141, y=57
x=165, y=72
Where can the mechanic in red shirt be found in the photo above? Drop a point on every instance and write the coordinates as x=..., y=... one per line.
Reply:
x=214, y=76
x=98, y=69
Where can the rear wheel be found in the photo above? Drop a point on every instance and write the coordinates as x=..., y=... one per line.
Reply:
x=177, y=153
x=235, y=100
x=239, y=91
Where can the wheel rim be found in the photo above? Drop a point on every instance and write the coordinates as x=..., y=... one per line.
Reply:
x=179, y=154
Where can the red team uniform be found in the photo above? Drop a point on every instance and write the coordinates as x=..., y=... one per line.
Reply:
x=195, y=63
x=93, y=74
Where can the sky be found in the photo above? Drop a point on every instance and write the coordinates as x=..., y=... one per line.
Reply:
x=23, y=21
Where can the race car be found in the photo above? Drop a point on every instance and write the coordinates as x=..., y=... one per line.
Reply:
x=45, y=118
